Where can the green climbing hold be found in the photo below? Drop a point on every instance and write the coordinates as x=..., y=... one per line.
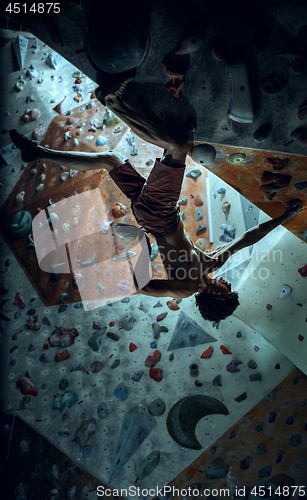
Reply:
x=21, y=224
x=237, y=158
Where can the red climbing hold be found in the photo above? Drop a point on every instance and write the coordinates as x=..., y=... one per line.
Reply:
x=303, y=271
x=153, y=359
x=132, y=347
x=161, y=316
x=19, y=301
x=150, y=361
x=62, y=356
x=26, y=386
x=207, y=353
x=112, y=323
x=225, y=350
x=156, y=374
x=172, y=305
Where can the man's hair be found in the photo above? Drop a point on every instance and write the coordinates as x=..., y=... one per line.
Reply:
x=215, y=307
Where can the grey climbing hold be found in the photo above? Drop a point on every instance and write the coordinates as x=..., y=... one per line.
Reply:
x=187, y=333
x=200, y=229
x=262, y=132
x=217, y=381
x=183, y=201
x=102, y=410
x=198, y=214
x=255, y=377
x=252, y=364
x=194, y=173
x=204, y=154
x=157, y=407
x=194, y=370
x=127, y=321
x=285, y=291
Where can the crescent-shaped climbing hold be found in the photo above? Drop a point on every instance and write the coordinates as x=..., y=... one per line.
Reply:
x=184, y=416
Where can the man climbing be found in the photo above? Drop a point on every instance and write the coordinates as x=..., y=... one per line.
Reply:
x=154, y=205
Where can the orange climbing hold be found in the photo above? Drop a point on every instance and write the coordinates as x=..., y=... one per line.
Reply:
x=225, y=350
x=207, y=353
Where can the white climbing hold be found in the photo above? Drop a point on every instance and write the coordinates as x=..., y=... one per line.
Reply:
x=285, y=291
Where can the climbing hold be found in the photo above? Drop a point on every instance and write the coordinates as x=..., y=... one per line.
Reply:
x=95, y=340
x=157, y=407
x=136, y=426
x=121, y=392
x=21, y=224
x=101, y=141
x=262, y=132
x=245, y=463
x=172, y=304
x=290, y=421
x=184, y=416
x=102, y=410
x=278, y=163
x=201, y=243
x=303, y=271
x=188, y=333
x=225, y=350
x=136, y=377
x=295, y=440
x=132, y=347
x=274, y=84
x=63, y=337
x=119, y=210
x=254, y=377
x=217, y=381
x=20, y=197
x=221, y=190
x=19, y=301
x=62, y=356
x=200, y=229
x=171, y=356
x=64, y=400
x=113, y=336
x=226, y=207
x=153, y=344
x=148, y=465
x=194, y=173
x=153, y=359
x=30, y=115
x=286, y=290
x=272, y=417
x=80, y=368
x=207, y=353
x=127, y=321
x=26, y=386
x=52, y=60
x=161, y=316
x=115, y=363
x=96, y=366
x=300, y=185
x=232, y=367
x=20, y=46
x=194, y=370
x=20, y=84
x=269, y=307
x=198, y=214
x=204, y=154
x=216, y=469
x=198, y=383
x=156, y=374
x=300, y=135
x=63, y=384
x=237, y=158
x=241, y=397
x=252, y=364
x=265, y=472
x=197, y=200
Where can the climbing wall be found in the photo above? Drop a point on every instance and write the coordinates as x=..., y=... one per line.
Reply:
x=76, y=376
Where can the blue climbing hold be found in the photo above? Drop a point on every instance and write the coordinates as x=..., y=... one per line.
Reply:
x=194, y=173
x=121, y=392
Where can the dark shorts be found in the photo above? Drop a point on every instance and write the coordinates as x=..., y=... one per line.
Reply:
x=153, y=201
